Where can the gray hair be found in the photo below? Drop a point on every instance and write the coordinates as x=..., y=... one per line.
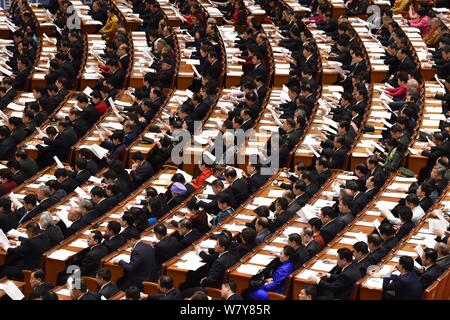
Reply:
x=45, y=190
x=441, y=248
x=45, y=220
x=86, y=204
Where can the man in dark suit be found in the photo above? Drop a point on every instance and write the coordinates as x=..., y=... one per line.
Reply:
x=443, y=259
x=387, y=233
x=237, y=186
x=67, y=183
x=405, y=214
x=7, y=143
x=167, y=247
x=141, y=169
x=339, y=153
x=228, y=291
x=215, y=69
x=90, y=260
x=18, y=175
x=405, y=286
x=167, y=290
x=295, y=242
x=81, y=292
x=362, y=258
x=81, y=173
x=259, y=68
x=28, y=164
x=102, y=203
x=376, y=252
x=224, y=260
x=338, y=284
x=78, y=223
x=113, y=239
x=8, y=220
x=311, y=245
x=322, y=171
x=56, y=144
x=142, y=266
x=7, y=92
x=29, y=209
x=22, y=74
x=331, y=225
x=27, y=255
x=38, y=285
x=219, y=190
x=185, y=234
x=430, y=271
x=107, y=288
x=255, y=179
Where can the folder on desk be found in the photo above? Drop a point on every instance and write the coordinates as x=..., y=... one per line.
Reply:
x=98, y=151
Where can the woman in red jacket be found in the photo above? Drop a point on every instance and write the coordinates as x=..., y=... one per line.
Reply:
x=239, y=16
x=399, y=93
x=6, y=182
x=205, y=172
x=97, y=100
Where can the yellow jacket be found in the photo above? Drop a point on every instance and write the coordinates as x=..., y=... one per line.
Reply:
x=110, y=28
x=400, y=6
x=433, y=37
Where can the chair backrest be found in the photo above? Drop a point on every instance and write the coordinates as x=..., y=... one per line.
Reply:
x=26, y=279
x=213, y=293
x=430, y=293
x=276, y=296
x=151, y=288
x=91, y=283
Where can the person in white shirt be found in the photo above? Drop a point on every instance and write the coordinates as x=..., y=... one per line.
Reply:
x=412, y=202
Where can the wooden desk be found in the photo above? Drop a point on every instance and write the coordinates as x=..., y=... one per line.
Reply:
x=429, y=123
x=361, y=226
x=19, y=284
x=159, y=182
x=235, y=223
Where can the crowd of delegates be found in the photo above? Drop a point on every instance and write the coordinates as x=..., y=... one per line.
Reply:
x=204, y=214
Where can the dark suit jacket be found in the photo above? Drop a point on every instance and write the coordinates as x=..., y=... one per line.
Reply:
x=88, y=296
x=255, y=182
x=141, y=174
x=430, y=275
x=312, y=248
x=108, y=291
x=21, y=79
x=8, y=221
x=142, y=266
x=234, y=297
x=40, y=290
x=330, y=230
x=59, y=147
x=302, y=257
x=340, y=284
x=129, y=233
x=69, y=185
x=406, y=286
x=54, y=234
x=166, y=249
x=91, y=260
x=28, y=254
x=29, y=166
x=189, y=238
x=105, y=205
x=172, y=294
x=114, y=243
x=7, y=98
x=83, y=176
x=239, y=189
x=74, y=227
x=217, y=270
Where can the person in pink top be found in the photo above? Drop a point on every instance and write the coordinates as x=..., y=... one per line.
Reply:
x=399, y=93
x=422, y=22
